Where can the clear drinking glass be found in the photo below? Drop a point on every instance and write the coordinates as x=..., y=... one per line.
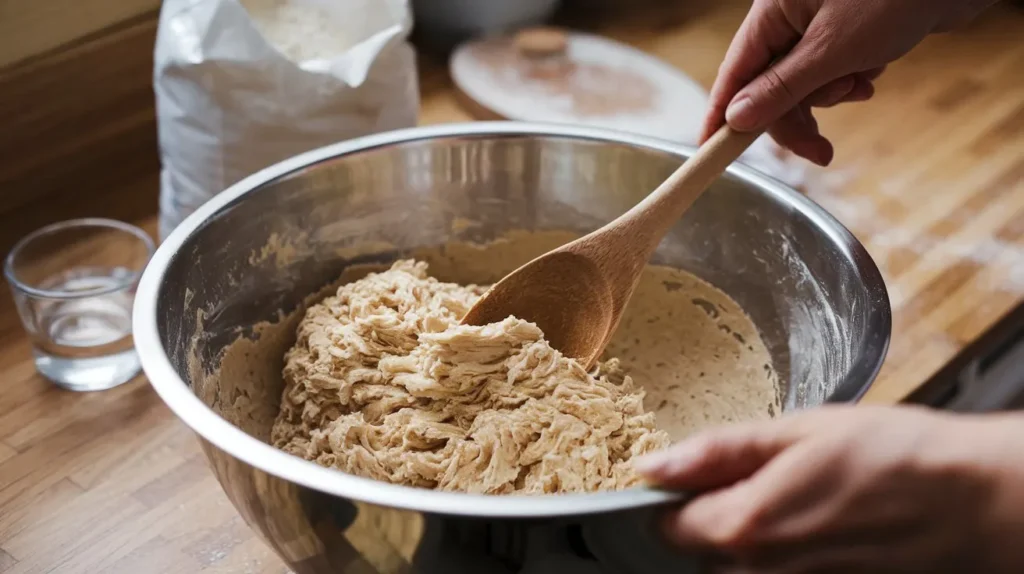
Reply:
x=74, y=284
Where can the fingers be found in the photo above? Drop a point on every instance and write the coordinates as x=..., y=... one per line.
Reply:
x=863, y=89
x=751, y=94
x=873, y=74
x=711, y=521
x=794, y=471
x=764, y=34
x=852, y=88
x=798, y=132
x=831, y=93
x=735, y=518
x=715, y=459
x=783, y=86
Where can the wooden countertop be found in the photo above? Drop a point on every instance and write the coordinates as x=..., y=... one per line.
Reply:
x=930, y=175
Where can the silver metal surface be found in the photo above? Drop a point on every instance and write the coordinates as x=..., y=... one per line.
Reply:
x=814, y=293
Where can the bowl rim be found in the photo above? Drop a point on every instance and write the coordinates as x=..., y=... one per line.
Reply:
x=213, y=429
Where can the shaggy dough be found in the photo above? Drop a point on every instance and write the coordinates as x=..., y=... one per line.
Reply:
x=384, y=383
x=692, y=354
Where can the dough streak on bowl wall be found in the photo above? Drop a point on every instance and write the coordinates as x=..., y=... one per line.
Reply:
x=382, y=382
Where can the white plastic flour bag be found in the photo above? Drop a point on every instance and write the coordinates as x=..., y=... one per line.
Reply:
x=243, y=84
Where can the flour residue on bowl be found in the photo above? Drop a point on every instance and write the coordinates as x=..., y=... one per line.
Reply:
x=814, y=321
x=695, y=359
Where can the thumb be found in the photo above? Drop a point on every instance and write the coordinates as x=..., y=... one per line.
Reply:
x=764, y=34
x=810, y=65
x=718, y=458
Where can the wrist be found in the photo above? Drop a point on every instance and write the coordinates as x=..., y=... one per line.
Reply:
x=975, y=464
x=1001, y=440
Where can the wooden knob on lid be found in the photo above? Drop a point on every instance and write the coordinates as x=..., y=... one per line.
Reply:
x=541, y=43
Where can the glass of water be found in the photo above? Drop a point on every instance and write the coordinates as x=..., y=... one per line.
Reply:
x=74, y=285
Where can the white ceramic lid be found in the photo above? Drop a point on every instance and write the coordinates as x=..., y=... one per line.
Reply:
x=558, y=76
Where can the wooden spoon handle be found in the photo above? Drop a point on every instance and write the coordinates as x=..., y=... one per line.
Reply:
x=660, y=210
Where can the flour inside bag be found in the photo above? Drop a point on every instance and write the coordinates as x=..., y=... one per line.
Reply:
x=243, y=84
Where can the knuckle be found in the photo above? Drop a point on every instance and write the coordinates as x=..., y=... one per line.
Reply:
x=739, y=532
x=827, y=25
x=709, y=448
x=775, y=87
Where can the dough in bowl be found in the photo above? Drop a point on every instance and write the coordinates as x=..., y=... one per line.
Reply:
x=384, y=383
x=380, y=380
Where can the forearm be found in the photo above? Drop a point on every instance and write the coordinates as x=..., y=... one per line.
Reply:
x=1000, y=446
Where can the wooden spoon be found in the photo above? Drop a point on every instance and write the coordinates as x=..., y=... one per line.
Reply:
x=576, y=293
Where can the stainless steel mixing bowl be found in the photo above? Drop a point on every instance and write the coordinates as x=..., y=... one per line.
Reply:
x=813, y=291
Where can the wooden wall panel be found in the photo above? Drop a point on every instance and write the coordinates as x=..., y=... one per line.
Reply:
x=29, y=28
x=81, y=118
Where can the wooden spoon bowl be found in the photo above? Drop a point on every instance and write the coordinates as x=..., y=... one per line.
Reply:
x=575, y=320
x=577, y=293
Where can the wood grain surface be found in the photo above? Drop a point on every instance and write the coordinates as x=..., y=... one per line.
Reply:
x=79, y=120
x=930, y=175
x=30, y=28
